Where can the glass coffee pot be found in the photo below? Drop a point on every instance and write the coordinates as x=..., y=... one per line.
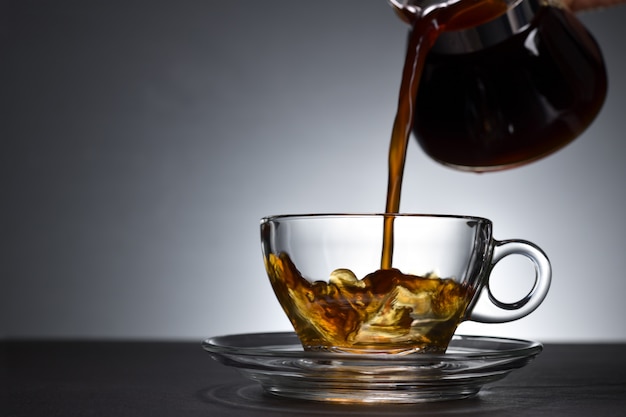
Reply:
x=508, y=91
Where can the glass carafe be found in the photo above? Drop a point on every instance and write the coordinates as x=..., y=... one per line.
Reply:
x=508, y=91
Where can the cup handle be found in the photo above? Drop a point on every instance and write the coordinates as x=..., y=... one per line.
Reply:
x=543, y=276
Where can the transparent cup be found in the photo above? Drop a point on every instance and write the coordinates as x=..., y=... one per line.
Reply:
x=325, y=270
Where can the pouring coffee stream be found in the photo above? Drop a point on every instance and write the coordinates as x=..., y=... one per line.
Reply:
x=489, y=85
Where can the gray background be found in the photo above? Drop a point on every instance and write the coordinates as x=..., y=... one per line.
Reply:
x=142, y=141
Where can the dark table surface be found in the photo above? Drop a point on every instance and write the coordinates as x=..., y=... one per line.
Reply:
x=64, y=378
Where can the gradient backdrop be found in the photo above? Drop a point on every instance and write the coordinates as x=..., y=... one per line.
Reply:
x=141, y=141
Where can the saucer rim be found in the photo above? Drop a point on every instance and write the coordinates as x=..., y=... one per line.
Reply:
x=523, y=348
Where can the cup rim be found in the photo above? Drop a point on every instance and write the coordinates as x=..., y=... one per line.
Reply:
x=328, y=215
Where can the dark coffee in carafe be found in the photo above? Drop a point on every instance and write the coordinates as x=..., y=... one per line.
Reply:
x=511, y=102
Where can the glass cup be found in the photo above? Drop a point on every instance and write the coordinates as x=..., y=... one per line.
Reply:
x=326, y=272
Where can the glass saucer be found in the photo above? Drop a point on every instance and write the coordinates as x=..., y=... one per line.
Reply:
x=278, y=362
